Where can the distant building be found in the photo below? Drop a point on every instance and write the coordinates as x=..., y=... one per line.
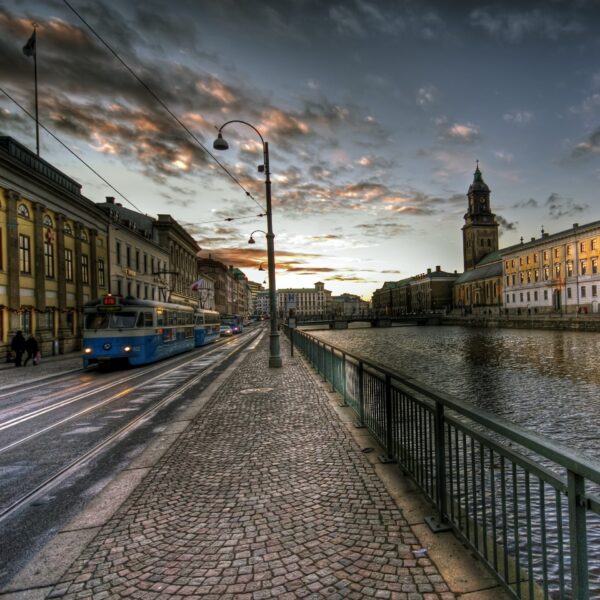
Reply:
x=306, y=301
x=349, y=305
x=139, y=266
x=432, y=291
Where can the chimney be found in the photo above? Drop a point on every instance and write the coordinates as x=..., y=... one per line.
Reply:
x=110, y=199
x=428, y=271
x=438, y=268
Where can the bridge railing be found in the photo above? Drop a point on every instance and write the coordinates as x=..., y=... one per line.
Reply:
x=529, y=508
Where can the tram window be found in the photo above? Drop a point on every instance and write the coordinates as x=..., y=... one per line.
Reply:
x=144, y=319
x=160, y=317
x=123, y=320
x=96, y=321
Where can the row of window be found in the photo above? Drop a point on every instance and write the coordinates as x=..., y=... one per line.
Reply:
x=529, y=276
x=49, y=262
x=140, y=263
x=529, y=259
x=527, y=296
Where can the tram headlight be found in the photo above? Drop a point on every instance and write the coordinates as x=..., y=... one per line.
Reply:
x=87, y=350
x=127, y=348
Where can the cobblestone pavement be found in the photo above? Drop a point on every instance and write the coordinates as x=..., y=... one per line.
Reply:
x=265, y=495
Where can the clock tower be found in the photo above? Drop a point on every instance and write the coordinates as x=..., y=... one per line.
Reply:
x=480, y=231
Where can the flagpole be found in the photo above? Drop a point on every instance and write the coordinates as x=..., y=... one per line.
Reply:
x=37, y=121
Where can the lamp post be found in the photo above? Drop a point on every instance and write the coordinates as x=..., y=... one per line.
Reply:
x=221, y=144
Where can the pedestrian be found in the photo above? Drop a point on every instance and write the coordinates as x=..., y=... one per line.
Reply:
x=17, y=345
x=33, y=348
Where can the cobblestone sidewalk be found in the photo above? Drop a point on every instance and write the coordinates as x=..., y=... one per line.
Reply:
x=265, y=495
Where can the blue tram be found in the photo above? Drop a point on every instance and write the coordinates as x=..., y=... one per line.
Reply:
x=142, y=331
x=207, y=326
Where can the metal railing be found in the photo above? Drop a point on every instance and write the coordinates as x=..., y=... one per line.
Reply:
x=527, y=507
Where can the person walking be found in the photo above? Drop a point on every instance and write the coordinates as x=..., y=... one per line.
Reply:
x=32, y=347
x=17, y=345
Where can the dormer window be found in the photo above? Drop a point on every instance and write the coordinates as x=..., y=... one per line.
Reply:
x=23, y=211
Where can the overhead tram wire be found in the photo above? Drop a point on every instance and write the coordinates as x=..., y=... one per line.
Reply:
x=110, y=185
x=162, y=103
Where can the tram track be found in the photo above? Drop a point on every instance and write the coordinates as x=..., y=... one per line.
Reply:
x=76, y=464
x=45, y=410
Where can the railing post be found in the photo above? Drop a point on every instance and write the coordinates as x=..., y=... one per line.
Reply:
x=578, y=536
x=439, y=523
x=388, y=457
x=361, y=397
x=343, y=382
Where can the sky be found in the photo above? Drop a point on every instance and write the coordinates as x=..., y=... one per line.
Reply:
x=374, y=111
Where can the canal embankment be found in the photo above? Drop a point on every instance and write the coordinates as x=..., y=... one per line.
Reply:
x=550, y=322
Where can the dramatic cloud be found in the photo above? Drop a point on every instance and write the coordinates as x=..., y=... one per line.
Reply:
x=383, y=230
x=517, y=26
x=426, y=96
x=464, y=133
x=560, y=207
x=506, y=225
x=530, y=203
x=588, y=147
x=518, y=117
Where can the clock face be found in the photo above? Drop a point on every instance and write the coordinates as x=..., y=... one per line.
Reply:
x=481, y=200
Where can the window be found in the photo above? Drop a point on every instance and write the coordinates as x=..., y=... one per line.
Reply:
x=521, y=277
x=535, y=258
x=528, y=276
x=569, y=268
x=507, y=264
x=546, y=273
x=118, y=250
x=67, y=229
x=521, y=260
x=569, y=250
x=507, y=299
x=545, y=254
x=47, y=221
x=513, y=279
x=24, y=253
x=49, y=259
x=84, y=236
x=545, y=294
x=583, y=267
x=145, y=264
x=85, y=269
x=557, y=269
x=583, y=291
x=528, y=259
x=119, y=287
x=137, y=261
x=507, y=280
x=528, y=297
x=594, y=244
x=101, y=273
x=128, y=257
x=129, y=288
x=569, y=292
x=23, y=211
x=594, y=265
x=594, y=291
x=582, y=246
x=536, y=274
x=556, y=252
x=535, y=296
x=521, y=296
x=68, y=264
x=512, y=263
x=138, y=289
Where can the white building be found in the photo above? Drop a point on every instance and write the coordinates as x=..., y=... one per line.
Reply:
x=555, y=273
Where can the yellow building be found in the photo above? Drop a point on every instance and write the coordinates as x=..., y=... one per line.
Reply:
x=53, y=251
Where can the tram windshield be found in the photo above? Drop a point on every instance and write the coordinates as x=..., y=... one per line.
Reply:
x=116, y=320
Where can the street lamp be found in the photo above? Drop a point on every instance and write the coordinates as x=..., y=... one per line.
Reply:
x=221, y=144
x=252, y=240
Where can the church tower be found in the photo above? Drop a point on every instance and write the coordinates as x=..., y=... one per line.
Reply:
x=480, y=231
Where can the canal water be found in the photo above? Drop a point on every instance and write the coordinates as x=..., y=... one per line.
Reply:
x=546, y=381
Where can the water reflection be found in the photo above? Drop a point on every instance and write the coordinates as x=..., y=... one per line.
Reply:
x=547, y=381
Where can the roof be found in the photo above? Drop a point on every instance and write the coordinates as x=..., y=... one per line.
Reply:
x=482, y=271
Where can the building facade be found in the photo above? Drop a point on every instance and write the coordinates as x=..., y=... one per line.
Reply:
x=53, y=251
x=307, y=302
x=349, y=305
x=555, y=273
